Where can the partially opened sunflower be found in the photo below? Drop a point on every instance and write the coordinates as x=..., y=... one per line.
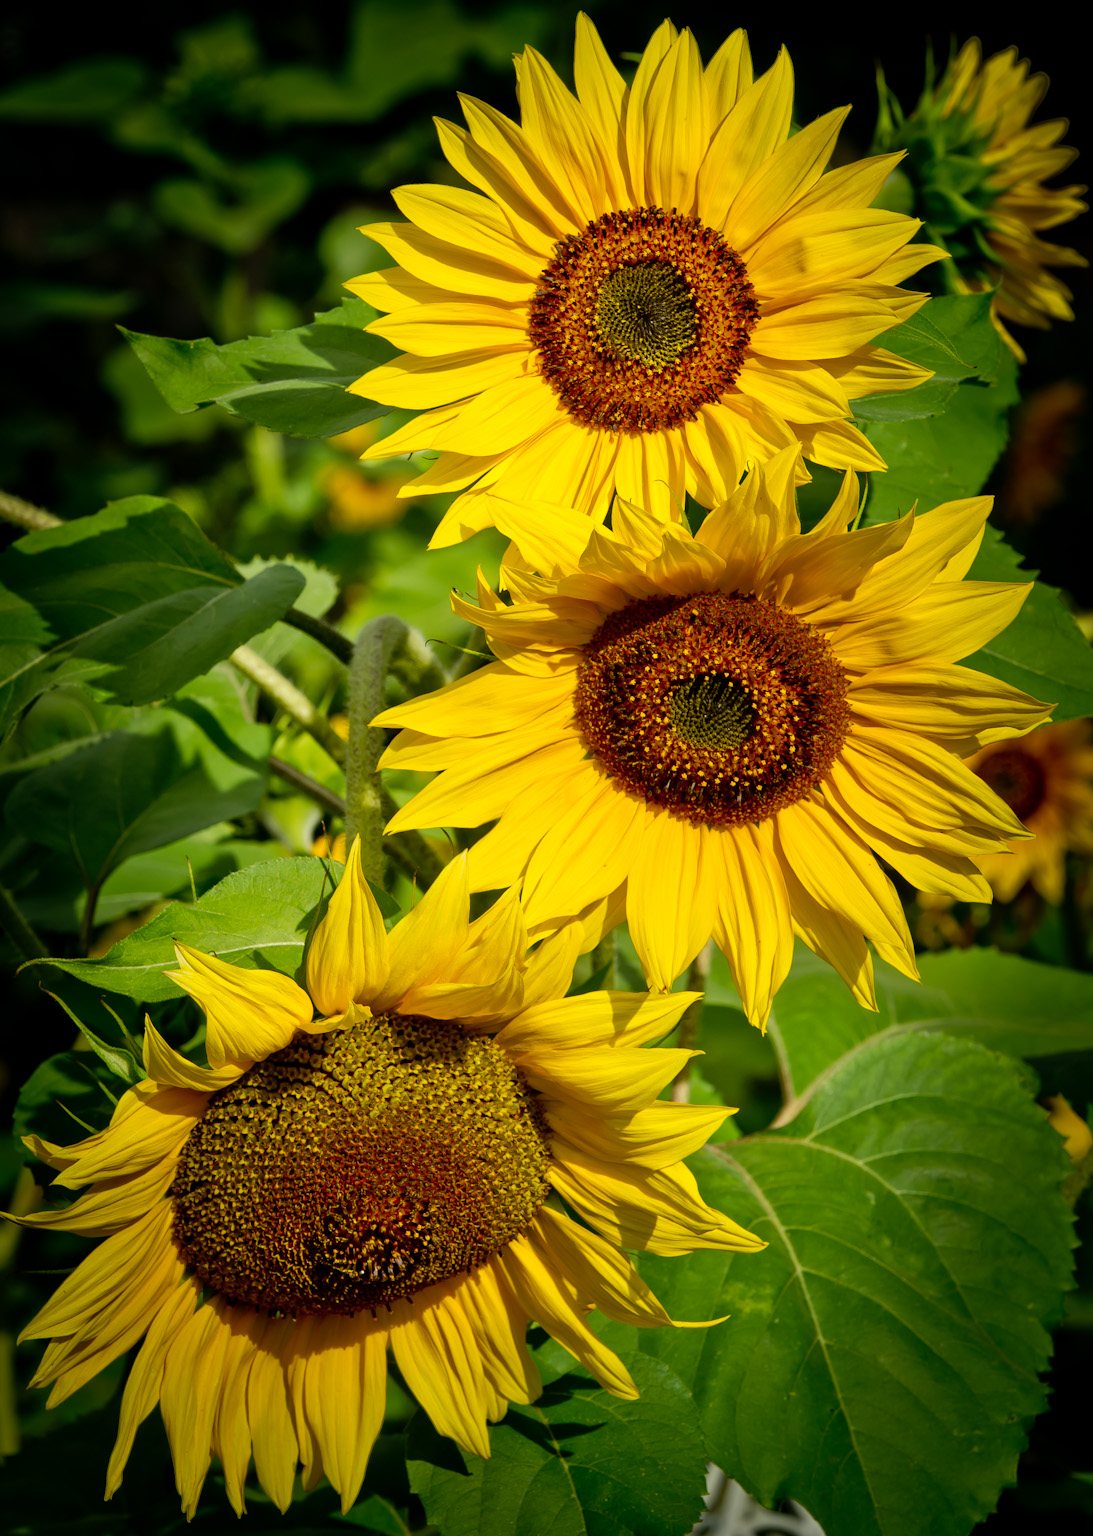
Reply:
x=722, y=734
x=977, y=168
x=374, y=1162
x=651, y=286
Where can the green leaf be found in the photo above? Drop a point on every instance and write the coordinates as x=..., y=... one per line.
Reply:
x=882, y=1356
x=267, y=194
x=578, y=1462
x=77, y=94
x=115, y=1058
x=256, y=917
x=130, y=790
x=293, y=381
x=135, y=598
x=1043, y=651
x=72, y=1079
x=1002, y=1001
x=941, y=441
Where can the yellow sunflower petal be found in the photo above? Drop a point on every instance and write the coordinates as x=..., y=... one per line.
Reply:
x=192, y=1373
x=347, y=959
x=752, y=923
x=947, y=622
x=500, y=1326
x=596, y=1018
x=751, y=131
x=954, y=706
x=660, y=1212
x=248, y=1014
x=672, y=856
x=654, y=1137
x=839, y=872
x=616, y=1082
x=424, y=942
x=438, y=1356
x=142, y=1388
x=555, y=1304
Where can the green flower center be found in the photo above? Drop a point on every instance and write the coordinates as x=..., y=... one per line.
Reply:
x=713, y=712
x=645, y=313
x=357, y=1167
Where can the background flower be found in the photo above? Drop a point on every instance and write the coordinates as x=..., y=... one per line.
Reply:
x=1046, y=778
x=651, y=286
x=976, y=170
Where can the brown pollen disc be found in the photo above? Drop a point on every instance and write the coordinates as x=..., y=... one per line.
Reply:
x=1017, y=778
x=721, y=708
x=357, y=1167
x=640, y=319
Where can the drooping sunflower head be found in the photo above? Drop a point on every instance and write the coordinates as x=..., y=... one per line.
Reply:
x=649, y=286
x=1046, y=778
x=724, y=733
x=377, y=1161
x=975, y=170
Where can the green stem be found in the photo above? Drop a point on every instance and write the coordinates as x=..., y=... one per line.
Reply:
x=22, y=935
x=276, y=686
x=307, y=785
x=25, y=513
x=604, y=956
x=691, y=1021
x=385, y=645
x=335, y=642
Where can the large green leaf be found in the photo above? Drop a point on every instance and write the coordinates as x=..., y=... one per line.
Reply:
x=576, y=1463
x=1003, y=1001
x=941, y=456
x=881, y=1359
x=293, y=381
x=954, y=338
x=1043, y=651
x=122, y=793
x=257, y=917
x=134, y=598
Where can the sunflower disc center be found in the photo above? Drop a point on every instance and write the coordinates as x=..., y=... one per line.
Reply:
x=645, y=313
x=641, y=319
x=712, y=712
x=354, y=1168
x=1017, y=778
x=719, y=707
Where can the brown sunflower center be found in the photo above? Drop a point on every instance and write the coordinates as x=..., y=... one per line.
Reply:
x=719, y=707
x=357, y=1167
x=1017, y=778
x=641, y=319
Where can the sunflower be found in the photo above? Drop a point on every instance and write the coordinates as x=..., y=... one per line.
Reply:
x=387, y=1173
x=976, y=171
x=1046, y=778
x=720, y=733
x=650, y=287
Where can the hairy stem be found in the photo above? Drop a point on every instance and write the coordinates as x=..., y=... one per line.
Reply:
x=276, y=686
x=325, y=634
x=307, y=785
x=385, y=645
x=25, y=513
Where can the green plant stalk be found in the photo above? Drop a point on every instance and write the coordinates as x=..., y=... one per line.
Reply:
x=334, y=641
x=385, y=645
x=25, y=513
x=22, y=935
x=276, y=686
